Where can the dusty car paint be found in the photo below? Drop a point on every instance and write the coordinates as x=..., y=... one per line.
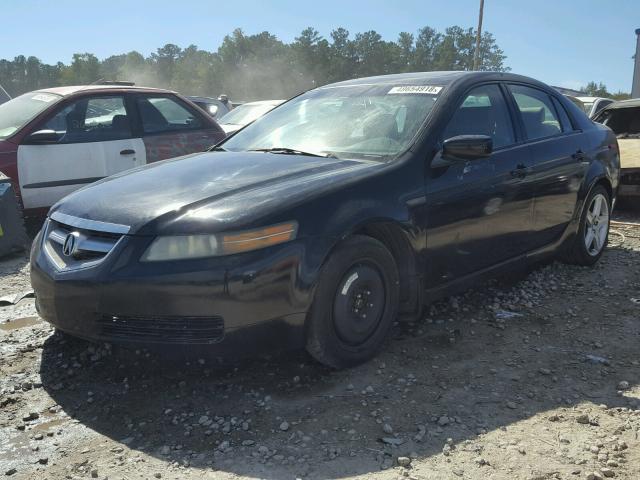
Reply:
x=445, y=225
x=161, y=147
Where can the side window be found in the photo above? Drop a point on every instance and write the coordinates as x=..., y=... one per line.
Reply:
x=483, y=112
x=565, y=122
x=91, y=120
x=538, y=113
x=163, y=114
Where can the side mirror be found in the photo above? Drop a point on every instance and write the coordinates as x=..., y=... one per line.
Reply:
x=467, y=147
x=42, y=137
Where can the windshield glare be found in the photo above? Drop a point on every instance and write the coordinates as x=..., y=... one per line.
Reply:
x=245, y=114
x=16, y=113
x=361, y=121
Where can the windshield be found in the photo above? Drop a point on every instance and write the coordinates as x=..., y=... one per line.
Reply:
x=587, y=107
x=361, y=121
x=245, y=114
x=21, y=110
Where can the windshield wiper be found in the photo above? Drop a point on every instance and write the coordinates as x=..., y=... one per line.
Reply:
x=292, y=151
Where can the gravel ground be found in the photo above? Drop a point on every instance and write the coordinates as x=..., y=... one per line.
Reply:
x=533, y=377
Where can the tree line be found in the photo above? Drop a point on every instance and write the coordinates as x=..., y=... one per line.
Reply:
x=260, y=66
x=593, y=89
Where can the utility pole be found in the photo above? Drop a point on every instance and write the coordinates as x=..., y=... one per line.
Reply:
x=635, y=87
x=476, y=55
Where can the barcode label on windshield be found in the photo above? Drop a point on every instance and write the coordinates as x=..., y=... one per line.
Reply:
x=424, y=89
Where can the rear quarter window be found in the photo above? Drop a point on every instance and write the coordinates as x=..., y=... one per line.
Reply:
x=166, y=114
x=565, y=121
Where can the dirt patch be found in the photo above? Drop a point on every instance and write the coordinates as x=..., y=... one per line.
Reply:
x=528, y=378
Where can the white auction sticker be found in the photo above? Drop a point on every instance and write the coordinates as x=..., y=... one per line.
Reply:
x=424, y=89
x=44, y=97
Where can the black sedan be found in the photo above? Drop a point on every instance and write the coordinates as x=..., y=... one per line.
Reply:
x=325, y=220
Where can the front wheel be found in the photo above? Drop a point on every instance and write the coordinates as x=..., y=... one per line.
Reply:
x=355, y=303
x=593, y=232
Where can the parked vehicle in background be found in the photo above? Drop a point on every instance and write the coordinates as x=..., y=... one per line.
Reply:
x=212, y=106
x=57, y=140
x=592, y=105
x=327, y=217
x=623, y=118
x=246, y=113
x=4, y=96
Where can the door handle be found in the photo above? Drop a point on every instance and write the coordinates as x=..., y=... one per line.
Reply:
x=127, y=151
x=520, y=171
x=578, y=156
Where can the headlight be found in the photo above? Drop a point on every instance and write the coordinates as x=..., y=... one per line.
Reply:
x=184, y=247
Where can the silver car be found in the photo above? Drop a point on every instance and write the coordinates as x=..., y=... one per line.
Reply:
x=245, y=114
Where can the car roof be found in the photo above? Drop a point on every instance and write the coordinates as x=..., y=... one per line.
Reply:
x=73, y=89
x=264, y=102
x=203, y=99
x=634, y=102
x=434, y=78
x=591, y=99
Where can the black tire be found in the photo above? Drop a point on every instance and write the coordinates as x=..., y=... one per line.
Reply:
x=577, y=253
x=355, y=303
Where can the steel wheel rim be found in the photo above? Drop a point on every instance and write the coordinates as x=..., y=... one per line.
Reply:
x=359, y=304
x=596, y=225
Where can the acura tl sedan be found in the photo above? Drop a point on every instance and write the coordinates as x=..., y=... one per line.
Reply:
x=327, y=219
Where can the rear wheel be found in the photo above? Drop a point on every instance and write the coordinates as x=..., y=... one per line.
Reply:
x=355, y=304
x=593, y=232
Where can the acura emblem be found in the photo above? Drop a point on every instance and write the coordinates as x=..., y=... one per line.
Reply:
x=70, y=246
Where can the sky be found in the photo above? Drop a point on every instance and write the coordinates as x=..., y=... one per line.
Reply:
x=561, y=42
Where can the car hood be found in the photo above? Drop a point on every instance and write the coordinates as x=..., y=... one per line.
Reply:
x=207, y=192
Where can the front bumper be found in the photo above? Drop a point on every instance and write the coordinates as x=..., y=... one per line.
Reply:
x=234, y=305
x=629, y=182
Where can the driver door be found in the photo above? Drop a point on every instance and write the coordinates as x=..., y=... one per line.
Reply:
x=479, y=212
x=94, y=140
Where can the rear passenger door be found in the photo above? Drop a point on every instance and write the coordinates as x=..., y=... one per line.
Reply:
x=478, y=211
x=171, y=128
x=556, y=151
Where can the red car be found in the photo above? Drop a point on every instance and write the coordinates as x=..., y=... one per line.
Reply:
x=57, y=140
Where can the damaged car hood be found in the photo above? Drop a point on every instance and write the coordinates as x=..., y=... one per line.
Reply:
x=207, y=192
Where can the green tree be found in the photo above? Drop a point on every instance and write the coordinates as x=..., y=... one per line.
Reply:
x=84, y=69
x=164, y=61
x=593, y=89
x=249, y=67
x=310, y=57
x=406, y=52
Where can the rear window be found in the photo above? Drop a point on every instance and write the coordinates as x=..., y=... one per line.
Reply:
x=164, y=114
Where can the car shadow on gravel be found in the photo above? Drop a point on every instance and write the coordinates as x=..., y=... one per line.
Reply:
x=468, y=368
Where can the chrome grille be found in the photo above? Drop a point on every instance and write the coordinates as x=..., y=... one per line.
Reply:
x=91, y=243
